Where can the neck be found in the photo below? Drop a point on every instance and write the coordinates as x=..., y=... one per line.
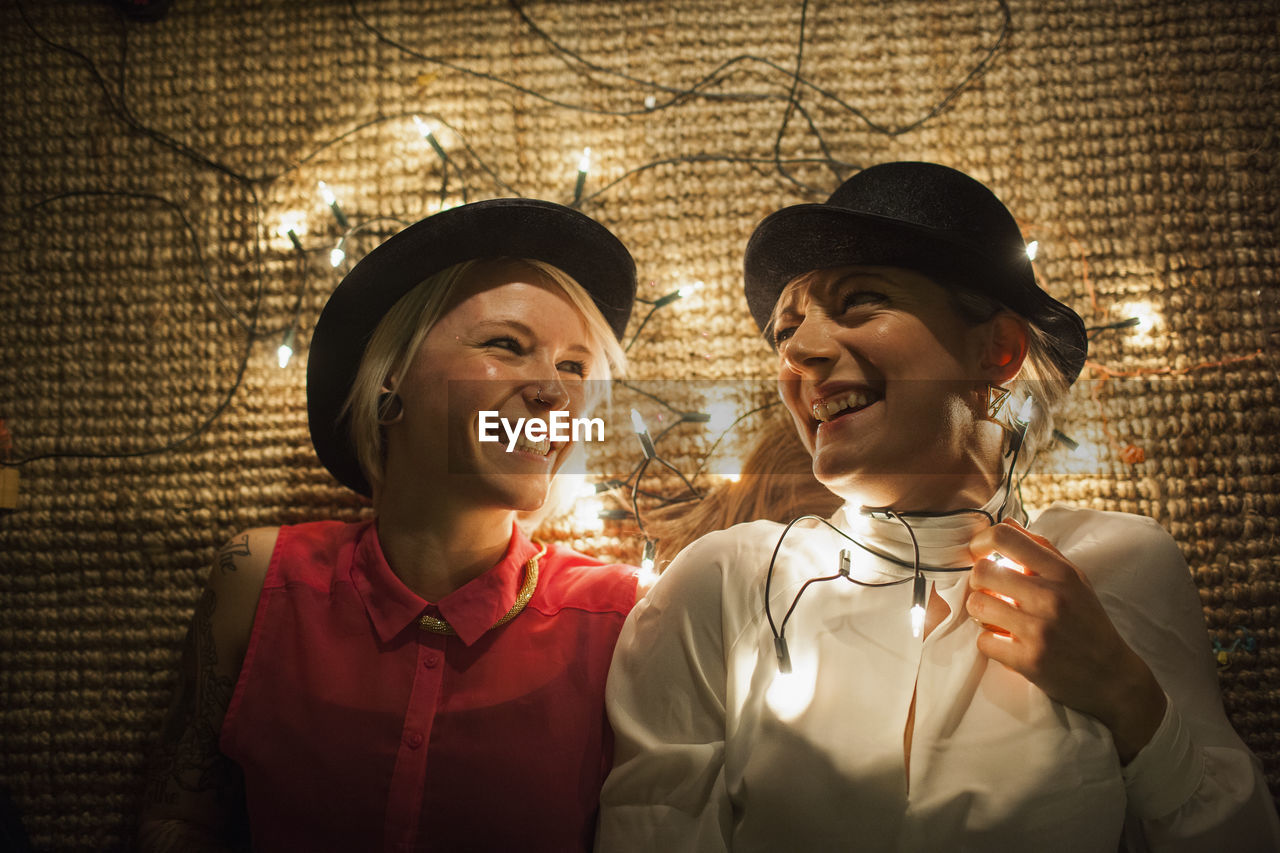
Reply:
x=978, y=473
x=436, y=549
x=943, y=541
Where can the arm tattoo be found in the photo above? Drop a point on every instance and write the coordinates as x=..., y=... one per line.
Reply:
x=227, y=556
x=188, y=758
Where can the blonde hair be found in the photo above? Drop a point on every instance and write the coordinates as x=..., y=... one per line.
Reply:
x=777, y=484
x=402, y=330
x=1040, y=376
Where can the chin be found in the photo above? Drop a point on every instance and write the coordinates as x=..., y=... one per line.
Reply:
x=525, y=500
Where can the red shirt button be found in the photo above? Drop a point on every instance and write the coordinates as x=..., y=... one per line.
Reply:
x=413, y=739
x=431, y=661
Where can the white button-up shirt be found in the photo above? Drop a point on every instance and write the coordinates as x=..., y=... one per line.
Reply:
x=717, y=750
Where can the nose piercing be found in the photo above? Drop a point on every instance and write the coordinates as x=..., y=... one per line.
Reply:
x=538, y=396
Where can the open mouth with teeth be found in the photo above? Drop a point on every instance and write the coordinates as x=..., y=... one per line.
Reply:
x=537, y=448
x=846, y=403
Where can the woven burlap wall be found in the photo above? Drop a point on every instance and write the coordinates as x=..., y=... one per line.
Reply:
x=1134, y=139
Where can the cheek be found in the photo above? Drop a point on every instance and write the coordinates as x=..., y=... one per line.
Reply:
x=789, y=394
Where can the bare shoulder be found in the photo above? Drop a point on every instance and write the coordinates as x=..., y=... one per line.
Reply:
x=235, y=581
x=247, y=555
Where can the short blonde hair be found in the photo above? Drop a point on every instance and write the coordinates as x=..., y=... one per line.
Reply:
x=402, y=330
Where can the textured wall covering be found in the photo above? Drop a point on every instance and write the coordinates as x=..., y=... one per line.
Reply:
x=1135, y=139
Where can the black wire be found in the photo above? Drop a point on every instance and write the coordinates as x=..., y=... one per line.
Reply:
x=117, y=101
x=683, y=94
x=900, y=517
x=679, y=95
x=640, y=328
x=227, y=397
x=791, y=104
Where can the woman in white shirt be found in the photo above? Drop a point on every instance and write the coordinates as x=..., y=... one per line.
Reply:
x=924, y=670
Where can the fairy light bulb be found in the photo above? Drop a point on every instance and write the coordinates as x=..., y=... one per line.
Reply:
x=783, y=654
x=337, y=256
x=289, y=229
x=584, y=166
x=687, y=290
x=428, y=130
x=1142, y=319
x=1005, y=563
x=587, y=514
x=1026, y=411
x=1033, y=249
x=332, y=200
x=285, y=351
x=648, y=575
x=918, y=591
x=642, y=433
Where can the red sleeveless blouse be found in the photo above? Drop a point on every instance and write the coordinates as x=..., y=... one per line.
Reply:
x=359, y=731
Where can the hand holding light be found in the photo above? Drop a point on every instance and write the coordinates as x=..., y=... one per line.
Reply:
x=1043, y=620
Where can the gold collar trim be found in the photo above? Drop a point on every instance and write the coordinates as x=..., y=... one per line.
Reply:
x=438, y=625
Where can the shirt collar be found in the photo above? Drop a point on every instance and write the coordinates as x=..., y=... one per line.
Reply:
x=471, y=609
x=943, y=541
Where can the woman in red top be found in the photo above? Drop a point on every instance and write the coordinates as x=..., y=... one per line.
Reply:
x=429, y=679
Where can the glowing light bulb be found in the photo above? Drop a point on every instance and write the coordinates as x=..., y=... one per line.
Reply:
x=289, y=228
x=1005, y=563
x=1033, y=248
x=337, y=256
x=586, y=514
x=1143, y=321
x=919, y=589
x=648, y=575
x=584, y=164
x=332, y=200
x=426, y=128
x=285, y=351
x=1026, y=411
x=642, y=433
x=429, y=129
x=687, y=290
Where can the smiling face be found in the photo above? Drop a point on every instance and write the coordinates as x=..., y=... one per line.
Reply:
x=884, y=381
x=508, y=338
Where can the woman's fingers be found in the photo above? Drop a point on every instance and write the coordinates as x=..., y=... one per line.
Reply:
x=1033, y=554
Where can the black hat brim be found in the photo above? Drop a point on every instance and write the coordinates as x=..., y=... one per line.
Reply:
x=509, y=227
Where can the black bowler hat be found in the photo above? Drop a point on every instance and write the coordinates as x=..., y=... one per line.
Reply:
x=919, y=216
x=497, y=228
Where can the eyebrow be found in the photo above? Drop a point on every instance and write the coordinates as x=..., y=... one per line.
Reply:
x=528, y=332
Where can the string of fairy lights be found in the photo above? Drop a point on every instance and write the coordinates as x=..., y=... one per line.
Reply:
x=456, y=158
